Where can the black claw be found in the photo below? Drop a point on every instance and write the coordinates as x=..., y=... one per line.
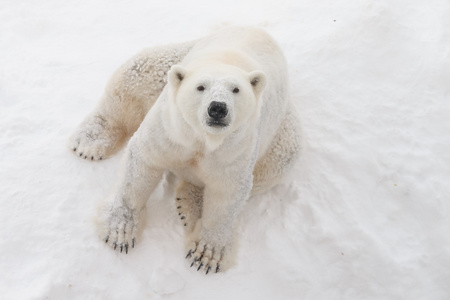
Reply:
x=132, y=243
x=81, y=154
x=85, y=156
x=179, y=214
x=194, y=261
x=189, y=254
x=121, y=248
x=115, y=245
x=207, y=270
x=107, y=239
x=185, y=224
x=217, y=268
x=126, y=248
x=178, y=207
x=101, y=158
x=183, y=217
x=178, y=199
x=92, y=158
x=74, y=149
x=199, y=267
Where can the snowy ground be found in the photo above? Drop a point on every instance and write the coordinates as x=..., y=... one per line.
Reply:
x=365, y=216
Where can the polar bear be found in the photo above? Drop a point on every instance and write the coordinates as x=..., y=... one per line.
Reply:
x=223, y=126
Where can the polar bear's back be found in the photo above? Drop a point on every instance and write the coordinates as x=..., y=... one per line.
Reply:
x=251, y=43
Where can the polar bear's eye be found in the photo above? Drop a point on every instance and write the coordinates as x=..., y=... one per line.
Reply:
x=201, y=88
x=236, y=90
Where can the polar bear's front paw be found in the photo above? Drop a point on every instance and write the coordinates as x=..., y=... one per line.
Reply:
x=121, y=229
x=95, y=139
x=205, y=256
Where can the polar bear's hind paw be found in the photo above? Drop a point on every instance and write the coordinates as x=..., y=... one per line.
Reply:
x=189, y=200
x=186, y=213
x=96, y=139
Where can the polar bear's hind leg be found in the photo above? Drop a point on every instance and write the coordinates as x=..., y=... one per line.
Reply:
x=96, y=138
x=280, y=157
x=189, y=200
x=129, y=95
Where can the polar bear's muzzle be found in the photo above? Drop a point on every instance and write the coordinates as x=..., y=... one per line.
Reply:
x=217, y=112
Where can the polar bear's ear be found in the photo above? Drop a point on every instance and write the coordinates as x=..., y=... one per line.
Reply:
x=176, y=75
x=258, y=81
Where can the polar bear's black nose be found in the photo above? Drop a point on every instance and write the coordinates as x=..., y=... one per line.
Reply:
x=217, y=110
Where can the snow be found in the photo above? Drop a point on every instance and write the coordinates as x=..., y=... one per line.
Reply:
x=364, y=216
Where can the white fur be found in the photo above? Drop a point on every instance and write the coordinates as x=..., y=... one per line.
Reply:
x=217, y=167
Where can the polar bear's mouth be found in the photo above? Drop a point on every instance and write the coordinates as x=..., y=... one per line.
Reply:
x=216, y=123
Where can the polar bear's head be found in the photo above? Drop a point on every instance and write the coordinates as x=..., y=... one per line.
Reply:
x=216, y=99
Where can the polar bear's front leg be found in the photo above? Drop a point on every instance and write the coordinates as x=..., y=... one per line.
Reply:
x=120, y=216
x=211, y=244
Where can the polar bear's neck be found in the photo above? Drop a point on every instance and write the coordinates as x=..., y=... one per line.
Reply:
x=212, y=142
